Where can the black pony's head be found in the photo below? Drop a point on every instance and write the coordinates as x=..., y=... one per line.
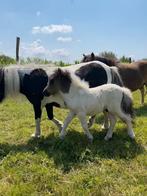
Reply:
x=93, y=57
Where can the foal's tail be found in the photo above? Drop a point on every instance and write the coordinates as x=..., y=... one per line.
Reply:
x=127, y=102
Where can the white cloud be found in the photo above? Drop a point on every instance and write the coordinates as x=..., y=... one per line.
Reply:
x=60, y=52
x=52, y=29
x=64, y=39
x=38, y=13
x=38, y=50
x=34, y=49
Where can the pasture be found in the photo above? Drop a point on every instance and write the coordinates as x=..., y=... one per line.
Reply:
x=49, y=166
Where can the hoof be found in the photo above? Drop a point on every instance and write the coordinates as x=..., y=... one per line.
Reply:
x=107, y=138
x=90, y=139
x=35, y=135
x=61, y=136
x=132, y=136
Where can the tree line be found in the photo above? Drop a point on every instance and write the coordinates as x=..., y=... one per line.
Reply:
x=6, y=60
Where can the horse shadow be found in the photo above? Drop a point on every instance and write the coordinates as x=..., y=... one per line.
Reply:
x=75, y=148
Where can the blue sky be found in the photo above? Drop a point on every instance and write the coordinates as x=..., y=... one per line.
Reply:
x=65, y=29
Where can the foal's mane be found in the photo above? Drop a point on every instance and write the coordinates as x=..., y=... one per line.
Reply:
x=67, y=79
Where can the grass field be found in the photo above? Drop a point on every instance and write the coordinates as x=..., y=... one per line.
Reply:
x=49, y=166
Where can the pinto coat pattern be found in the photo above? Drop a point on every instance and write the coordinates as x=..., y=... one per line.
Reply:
x=31, y=81
x=82, y=100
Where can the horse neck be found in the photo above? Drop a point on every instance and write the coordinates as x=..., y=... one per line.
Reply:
x=76, y=89
x=12, y=81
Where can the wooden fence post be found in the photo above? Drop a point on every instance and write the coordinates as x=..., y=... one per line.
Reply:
x=17, y=48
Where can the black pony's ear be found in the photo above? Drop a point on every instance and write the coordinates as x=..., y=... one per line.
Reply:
x=92, y=55
x=84, y=55
x=59, y=71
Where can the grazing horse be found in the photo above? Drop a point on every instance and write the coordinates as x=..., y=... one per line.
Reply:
x=31, y=81
x=82, y=100
x=133, y=75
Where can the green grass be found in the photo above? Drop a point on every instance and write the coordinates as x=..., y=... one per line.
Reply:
x=49, y=166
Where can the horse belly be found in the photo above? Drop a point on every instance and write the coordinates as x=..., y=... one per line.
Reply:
x=94, y=107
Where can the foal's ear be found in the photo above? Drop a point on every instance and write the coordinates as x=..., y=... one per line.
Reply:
x=84, y=55
x=92, y=55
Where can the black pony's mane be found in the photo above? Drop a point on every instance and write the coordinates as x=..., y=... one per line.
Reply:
x=107, y=61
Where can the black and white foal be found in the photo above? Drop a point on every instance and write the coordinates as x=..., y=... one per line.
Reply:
x=82, y=100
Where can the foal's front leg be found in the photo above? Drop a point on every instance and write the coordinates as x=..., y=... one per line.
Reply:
x=82, y=118
x=66, y=123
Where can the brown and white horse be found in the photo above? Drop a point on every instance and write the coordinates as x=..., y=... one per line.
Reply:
x=133, y=75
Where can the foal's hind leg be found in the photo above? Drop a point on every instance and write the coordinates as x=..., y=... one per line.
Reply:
x=106, y=121
x=130, y=129
x=82, y=118
x=128, y=120
x=112, y=124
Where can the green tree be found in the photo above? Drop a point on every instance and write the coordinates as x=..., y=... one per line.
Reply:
x=125, y=59
x=109, y=55
x=6, y=60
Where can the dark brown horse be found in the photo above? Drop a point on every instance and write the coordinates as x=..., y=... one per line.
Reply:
x=133, y=75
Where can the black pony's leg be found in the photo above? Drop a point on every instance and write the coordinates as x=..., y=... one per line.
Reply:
x=91, y=120
x=38, y=113
x=49, y=109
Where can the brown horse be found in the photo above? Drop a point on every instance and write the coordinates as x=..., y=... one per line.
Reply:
x=133, y=75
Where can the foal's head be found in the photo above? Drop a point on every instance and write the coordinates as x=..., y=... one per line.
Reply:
x=59, y=81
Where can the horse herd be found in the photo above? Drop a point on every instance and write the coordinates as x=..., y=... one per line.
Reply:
x=95, y=85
